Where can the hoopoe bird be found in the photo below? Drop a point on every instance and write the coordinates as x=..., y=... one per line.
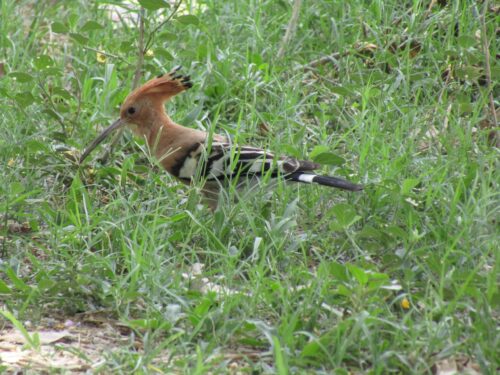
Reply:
x=189, y=155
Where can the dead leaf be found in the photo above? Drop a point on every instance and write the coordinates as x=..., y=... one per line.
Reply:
x=367, y=49
x=415, y=46
x=445, y=367
x=459, y=365
x=72, y=155
x=263, y=129
x=494, y=138
x=447, y=74
x=16, y=227
x=13, y=357
x=431, y=135
x=489, y=123
x=46, y=337
x=79, y=347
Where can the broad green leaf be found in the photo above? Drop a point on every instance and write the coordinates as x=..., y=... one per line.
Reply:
x=107, y=172
x=52, y=113
x=465, y=107
x=177, y=217
x=370, y=232
x=91, y=26
x=43, y=62
x=495, y=73
x=468, y=72
x=338, y=271
x=343, y=91
x=16, y=187
x=290, y=150
x=359, y=274
x=153, y=4
x=45, y=283
x=164, y=53
x=466, y=41
x=311, y=349
x=4, y=288
x=21, y=77
x=148, y=324
x=59, y=28
x=256, y=58
x=176, y=237
x=79, y=38
x=343, y=290
x=16, y=281
x=52, y=71
x=4, y=92
x=167, y=36
x=345, y=215
x=188, y=19
x=408, y=185
x=328, y=158
x=396, y=231
x=63, y=93
x=127, y=46
x=319, y=149
x=24, y=99
x=373, y=92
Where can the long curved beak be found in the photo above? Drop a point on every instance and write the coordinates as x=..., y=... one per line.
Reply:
x=101, y=137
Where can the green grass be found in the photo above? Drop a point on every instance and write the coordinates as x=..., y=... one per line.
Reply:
x=311, y=279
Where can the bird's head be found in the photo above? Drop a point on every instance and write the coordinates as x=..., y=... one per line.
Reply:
x=144, y=106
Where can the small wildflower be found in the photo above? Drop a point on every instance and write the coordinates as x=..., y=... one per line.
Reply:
x=405, y=304
x=150, y=53
x=11, y=162
x=101, y=58
x=413, y=202
x=71, y=154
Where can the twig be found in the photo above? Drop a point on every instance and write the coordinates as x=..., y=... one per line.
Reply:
x=321, y=61
x=3, y=252
x=155, y=30
x=487, y=68
x=48, y=98
x=103, y=53
x=79, y=107
x=291, y=28
x=446, y=82
x=140, y=52
x=429, y=8
x=135, y=82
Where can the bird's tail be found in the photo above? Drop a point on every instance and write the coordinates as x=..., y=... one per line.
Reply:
x=324, y=180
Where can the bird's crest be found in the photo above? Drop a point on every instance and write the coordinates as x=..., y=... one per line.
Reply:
x=163, y=86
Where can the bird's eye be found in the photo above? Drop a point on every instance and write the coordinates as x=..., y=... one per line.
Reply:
x=131, y=110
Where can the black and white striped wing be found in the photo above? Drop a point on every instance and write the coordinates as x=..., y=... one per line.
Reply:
x=227, y=161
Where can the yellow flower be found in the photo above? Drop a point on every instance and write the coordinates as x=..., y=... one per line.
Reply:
x=101, y=58
x=405, y=304
x=150, y=53
x=11, y=162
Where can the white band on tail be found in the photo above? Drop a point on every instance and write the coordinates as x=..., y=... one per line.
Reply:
x=307, y=177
